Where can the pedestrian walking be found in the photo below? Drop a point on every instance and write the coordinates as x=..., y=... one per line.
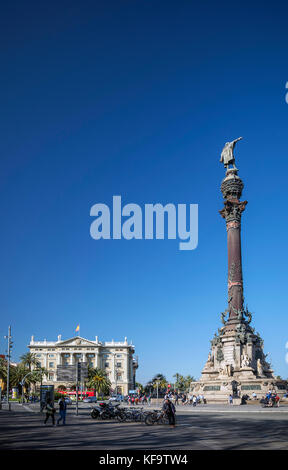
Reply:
x=230, y=400
x=62, y=411
x=176, y=398
x=50, y=411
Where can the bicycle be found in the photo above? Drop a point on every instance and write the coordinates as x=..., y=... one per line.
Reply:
x=156, y=417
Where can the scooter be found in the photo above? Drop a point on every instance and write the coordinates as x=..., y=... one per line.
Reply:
x=107, y=411
x=95, y=412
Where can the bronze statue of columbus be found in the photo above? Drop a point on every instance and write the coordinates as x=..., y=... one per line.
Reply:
x=227, y=155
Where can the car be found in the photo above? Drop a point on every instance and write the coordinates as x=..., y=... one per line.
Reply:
x=116, y=398
x=90, y=400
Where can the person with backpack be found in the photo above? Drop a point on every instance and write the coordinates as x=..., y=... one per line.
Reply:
x=169, y=410
x=50, y=411
x=62, y=411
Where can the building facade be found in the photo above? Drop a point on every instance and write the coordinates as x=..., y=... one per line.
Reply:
x=116, y=358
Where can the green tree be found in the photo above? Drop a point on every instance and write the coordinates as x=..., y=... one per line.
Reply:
x=187, y=381
x=182, y=382
x=37, y=375
x=98, y=380
x=139, y=387
x=159, y=379
x=16, y=375
x=179, y=382
x=29, y=360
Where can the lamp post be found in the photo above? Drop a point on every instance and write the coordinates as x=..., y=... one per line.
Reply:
x=157, y=383
x=8, y=364
x=115, y=374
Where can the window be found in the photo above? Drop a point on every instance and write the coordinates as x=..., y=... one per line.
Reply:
x=118, y=355
x=106, y=364
x=51, y=364
x=51, y=376
x=119, y=376
x=119, y=364
x=50, y=355
x=38, y=364
x=38, y=355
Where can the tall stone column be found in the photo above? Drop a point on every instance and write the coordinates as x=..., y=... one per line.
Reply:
x=231, y=188
x=96, y=360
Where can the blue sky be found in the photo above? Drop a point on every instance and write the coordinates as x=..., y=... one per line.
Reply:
x=137, y=98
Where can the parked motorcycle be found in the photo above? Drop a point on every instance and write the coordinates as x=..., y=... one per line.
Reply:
x=108, y=411
x=95, y=412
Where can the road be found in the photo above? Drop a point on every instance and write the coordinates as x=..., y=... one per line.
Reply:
x=207, y=427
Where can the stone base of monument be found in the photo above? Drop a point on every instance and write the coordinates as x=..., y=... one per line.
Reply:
x=236, y=401
x=218, y=391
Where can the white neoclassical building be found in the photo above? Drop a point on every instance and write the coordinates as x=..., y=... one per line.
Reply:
x=116, y=358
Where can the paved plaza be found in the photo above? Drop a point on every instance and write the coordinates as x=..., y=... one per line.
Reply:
x=215, y=427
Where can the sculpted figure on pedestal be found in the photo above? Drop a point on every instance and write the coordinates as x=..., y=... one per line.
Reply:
x=228, y=370
x=210, y=362
x=227, y=155
x=245, y=361
x=259, y=367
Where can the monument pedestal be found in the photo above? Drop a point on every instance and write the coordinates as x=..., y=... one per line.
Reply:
x=236, y=401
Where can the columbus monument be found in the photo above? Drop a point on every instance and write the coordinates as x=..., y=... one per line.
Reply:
x=236, y=363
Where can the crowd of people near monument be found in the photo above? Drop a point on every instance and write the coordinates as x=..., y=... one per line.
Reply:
x=271, y=399
x=175, y=397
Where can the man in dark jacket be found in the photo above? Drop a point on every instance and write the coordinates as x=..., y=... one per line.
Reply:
x=50, y=410
x=62, y=410
x=169, y=410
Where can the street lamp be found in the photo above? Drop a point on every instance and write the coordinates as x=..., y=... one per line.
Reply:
x=157, y=383
x=115, y=374
x=8, y=364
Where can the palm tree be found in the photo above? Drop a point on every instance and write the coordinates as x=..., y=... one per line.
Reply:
x=139, y=387
x=187, y=382
x=179, y=384
x=159, y=380
x=97, y=379
x=17, y=373
x=29, y=359
x=37, y=375
x=183, y=382
x=158, y=377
